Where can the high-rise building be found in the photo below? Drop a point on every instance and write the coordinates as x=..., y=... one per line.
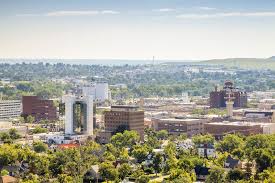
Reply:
x=125, y=117
x=99, y=91
x=218, y=97
x=78, y=115
x=40, y=109
x=10, y=109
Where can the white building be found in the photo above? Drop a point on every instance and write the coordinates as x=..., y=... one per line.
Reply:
x=99, y=91
x=10, y=109
x=206, y=150
x=78, y=115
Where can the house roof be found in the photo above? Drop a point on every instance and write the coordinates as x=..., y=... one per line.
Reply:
x=232, y=163
x=95, y=168
x=8, y=179
x=200, y=170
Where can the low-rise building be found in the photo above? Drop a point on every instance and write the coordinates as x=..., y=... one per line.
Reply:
x=219, y=129
x=206, y=150
x=178, y=126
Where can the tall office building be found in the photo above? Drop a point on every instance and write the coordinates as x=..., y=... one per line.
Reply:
x=40, y=109
x=99, y=91
x=10, y=109
x=78, y=115
x=123, y=117
x=218, y=97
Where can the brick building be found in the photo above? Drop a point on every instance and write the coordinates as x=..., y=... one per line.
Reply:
x=218, y=97
x=179, y=126
x=219, y=129
x=40, y=109
x=124, y=117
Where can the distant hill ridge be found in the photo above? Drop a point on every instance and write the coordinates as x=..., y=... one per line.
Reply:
x=245, y=63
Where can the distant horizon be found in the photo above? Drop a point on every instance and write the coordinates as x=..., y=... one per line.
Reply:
x=137, y=30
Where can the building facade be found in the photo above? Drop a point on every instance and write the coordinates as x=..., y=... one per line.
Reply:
x=218, y=97
x=219, y=129
x=178, y=126
x=78, y=115
x=122, y=117
x=10, y=109
x=99, y=91
x=38, y=108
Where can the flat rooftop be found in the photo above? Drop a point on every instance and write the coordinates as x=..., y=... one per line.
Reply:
x=124, y=106
x=240, y=123
x=179, y=120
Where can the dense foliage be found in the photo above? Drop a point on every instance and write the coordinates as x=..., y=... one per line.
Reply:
x=115, y=160
x=141, y=80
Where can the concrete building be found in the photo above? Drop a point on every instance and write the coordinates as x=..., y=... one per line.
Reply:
x=10, y=109
x=260, y=116
x=99, y=91
x=219, y=129
x=40, y=109
x=78, y=115
x=124, y=117
x=178, y=126
x=218, y=97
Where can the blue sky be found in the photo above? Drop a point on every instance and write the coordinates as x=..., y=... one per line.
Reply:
x=137, y=29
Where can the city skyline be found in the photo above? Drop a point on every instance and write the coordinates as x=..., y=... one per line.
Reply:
x=137, y=30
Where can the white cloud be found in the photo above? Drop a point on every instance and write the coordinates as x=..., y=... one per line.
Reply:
x=206, y=8
x=26, y=15
x=227, y=14
x=81, y=13
x=164, y=10
x=71, y=13
x=109, y=12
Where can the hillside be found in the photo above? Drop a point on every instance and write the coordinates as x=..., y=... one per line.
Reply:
x=250, y=63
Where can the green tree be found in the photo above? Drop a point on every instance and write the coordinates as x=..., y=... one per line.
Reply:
x=157, y=163
x=124, y=170
x=267, y=176
x=124, y=156
x=4, y=172
x=39, y=147
x=39, y=165
x=162, y=134
x=14, y=134
x=30, y=119
x=38, y=129
x=143, y=179
x=203, y=139
x=179, y=176
x=152, y=142
x=5, y=137
x=186, y=164
x=217, y=175
x=140, y=153
x=63, y=178
x=230, y=143
x=8, y=154
x=125, y=139
x=264, y=159
x=235, y=175
x=108, y=172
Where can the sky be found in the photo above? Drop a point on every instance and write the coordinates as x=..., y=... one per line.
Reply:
x=137, y=29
